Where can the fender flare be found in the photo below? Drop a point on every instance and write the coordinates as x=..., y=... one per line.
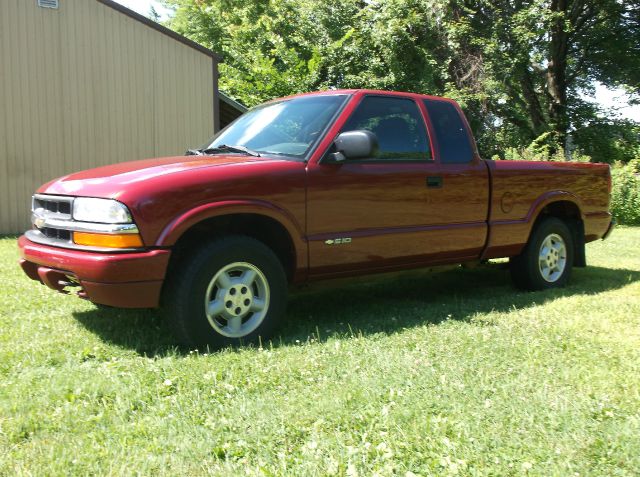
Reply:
x=183, y=222
x=549, y=198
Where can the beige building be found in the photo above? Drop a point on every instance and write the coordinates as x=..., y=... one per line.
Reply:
x=88, y=82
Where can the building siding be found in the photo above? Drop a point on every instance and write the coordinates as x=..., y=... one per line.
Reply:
x=87, y=85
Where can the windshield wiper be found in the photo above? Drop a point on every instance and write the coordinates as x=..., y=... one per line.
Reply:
x=193, y=152
x=229, y=148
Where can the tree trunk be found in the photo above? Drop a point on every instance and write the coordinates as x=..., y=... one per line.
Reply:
x=557, y=73
x=535, y=110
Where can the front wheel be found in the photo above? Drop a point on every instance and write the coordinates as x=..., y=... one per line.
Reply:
x=232, y=291
x=547, y=259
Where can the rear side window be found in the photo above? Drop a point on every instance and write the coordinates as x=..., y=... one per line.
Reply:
x=397, y=124
x=453, y=139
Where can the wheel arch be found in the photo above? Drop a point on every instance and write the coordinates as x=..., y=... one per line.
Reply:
x=567, y=207
x=259, y=220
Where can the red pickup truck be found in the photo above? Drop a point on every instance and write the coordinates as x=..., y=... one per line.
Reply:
x=315, y=186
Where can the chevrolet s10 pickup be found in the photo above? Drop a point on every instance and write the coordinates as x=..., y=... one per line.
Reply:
x=316, y=186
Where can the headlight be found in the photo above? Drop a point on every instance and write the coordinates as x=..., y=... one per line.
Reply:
x=106, y=211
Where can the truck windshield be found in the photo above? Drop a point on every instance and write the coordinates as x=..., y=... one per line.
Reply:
x=288, y=127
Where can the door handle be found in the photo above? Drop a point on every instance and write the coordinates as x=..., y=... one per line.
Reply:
x=434, y=182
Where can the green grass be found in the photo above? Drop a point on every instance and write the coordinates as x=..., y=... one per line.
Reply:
x=443, y=374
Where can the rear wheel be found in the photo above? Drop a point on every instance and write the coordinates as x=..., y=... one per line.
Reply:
x=232, y=291
x=547, y=259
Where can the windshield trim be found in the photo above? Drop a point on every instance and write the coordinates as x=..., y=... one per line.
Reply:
x=313, y=146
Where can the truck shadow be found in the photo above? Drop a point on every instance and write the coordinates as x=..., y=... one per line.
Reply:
x=383, y=305
x=389, y=306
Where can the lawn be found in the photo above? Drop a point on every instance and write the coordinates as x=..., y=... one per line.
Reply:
x=442, y=374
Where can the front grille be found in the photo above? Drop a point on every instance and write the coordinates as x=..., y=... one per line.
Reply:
x=56, y=234
x=48, y=207
x=51, y=205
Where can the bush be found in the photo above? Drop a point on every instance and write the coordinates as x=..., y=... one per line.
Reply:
x=533, y=154
x=625, y=196
x=543, y=148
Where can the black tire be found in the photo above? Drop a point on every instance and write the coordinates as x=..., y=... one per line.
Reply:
x=528, y=270
x=192, y=284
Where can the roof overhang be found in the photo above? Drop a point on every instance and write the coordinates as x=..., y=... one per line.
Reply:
x=162, y=29
x=232, y=102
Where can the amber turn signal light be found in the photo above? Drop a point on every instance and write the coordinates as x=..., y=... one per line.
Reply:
x=107, y=240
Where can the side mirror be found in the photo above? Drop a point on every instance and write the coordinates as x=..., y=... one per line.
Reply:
x=354, y=145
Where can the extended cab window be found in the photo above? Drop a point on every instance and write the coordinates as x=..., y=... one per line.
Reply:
x=452, y=136
x=397, y=124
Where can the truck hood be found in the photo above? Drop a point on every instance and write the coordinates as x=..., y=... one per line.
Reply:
x=112, y=180
x=160, y=191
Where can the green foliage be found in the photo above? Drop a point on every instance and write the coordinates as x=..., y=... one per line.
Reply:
x=609, y=141
x=284, y=47
x=543, y=148
x=380, y=378
x=534, y=58
x=517, y=68
x=532, y=154
x=625, y=196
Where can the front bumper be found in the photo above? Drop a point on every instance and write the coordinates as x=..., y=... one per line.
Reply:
x=127, y=280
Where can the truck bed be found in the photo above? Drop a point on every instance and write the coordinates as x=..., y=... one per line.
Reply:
x=521, y=190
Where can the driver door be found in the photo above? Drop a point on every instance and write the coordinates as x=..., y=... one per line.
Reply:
x=396, y=208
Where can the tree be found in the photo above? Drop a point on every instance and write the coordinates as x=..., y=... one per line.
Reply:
x=153, y=14
x=286, y=46
x=517, y=67
x=539, y=55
